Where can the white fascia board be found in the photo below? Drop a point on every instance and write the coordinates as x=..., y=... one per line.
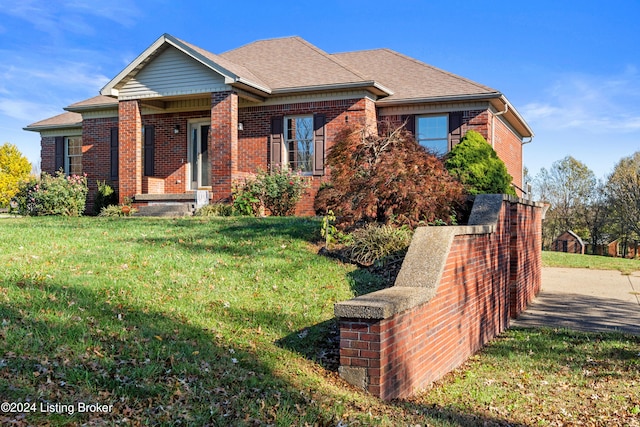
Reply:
x=53, y=127
x=512, y=111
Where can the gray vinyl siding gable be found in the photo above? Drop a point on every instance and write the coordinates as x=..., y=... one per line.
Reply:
x=172, y=73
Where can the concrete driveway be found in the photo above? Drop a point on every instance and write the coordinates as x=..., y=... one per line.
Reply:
x=585, y=300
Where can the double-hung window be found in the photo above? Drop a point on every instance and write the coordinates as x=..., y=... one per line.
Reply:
x=73, y=155
x=433, y=133
x=299, y=143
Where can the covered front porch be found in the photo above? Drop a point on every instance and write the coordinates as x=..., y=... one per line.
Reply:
x=165, y=156
x=178, y=122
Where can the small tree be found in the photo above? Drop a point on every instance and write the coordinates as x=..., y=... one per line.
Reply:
x=386, y=178
x=14, y=168
x=477, y=165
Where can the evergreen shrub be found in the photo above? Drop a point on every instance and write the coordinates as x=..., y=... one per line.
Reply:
x=477, y=165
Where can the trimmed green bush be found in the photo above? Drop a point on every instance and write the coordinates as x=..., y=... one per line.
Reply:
x=477, y=165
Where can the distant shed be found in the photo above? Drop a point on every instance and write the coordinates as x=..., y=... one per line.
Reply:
x=568, y=242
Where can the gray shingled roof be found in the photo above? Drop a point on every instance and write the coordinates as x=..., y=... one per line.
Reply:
x=236, y=68
x=96, y=101
x=410, y=78
x=67, y=119
x=292, y=62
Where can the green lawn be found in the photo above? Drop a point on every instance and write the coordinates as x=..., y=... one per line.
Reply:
x=595, y=262
x=229, y=321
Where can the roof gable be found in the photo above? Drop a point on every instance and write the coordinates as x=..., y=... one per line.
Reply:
x=171, y=72
x=209, y=70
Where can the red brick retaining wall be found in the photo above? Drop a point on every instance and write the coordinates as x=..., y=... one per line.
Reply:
x=401, y=339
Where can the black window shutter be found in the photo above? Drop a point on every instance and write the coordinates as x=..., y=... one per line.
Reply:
x=455, y=128
x=149, y=149
x=409, y=122
x=318, y=144
x=275, y=146
x=59, y=164
x=114, y=153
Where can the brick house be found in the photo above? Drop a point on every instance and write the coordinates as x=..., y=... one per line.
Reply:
x=568, y=242
x=180, y=118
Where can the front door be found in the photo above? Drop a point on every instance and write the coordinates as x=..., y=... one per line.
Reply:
x=200, y=169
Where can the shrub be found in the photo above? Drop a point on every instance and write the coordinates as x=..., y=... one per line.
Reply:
x=218, y=209
x=477, y=165
x=113, y=211
x=53, y=195
x=278, y=191
x=386, y=178
x=375, y=244
x=106, y=196
x=245, y=197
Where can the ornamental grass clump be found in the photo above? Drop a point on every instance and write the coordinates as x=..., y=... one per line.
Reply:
x=377, y=244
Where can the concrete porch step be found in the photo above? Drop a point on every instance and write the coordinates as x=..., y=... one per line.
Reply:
x=165, y=210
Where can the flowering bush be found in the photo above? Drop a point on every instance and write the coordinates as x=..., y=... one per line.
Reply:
x=53, y=195
x=277, y=191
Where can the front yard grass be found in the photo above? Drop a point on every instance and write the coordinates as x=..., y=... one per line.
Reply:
x=595, y=262
x=229, y=321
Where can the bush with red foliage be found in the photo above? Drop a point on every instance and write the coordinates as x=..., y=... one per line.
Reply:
x=386, y=178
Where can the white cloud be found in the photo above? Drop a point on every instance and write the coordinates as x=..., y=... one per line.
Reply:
x=27, y=111
x=595, y=103
x=57, y=17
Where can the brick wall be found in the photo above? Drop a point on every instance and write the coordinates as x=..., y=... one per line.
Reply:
x=223, y=143
x=485, y=279
x=96, y=154
x=171, y=156
x=509, y=149
x=253, y=140
x=130, y=150
x=524, y=267
x=48, y=154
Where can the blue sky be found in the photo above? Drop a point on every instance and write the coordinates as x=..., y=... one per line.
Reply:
x=571, y=68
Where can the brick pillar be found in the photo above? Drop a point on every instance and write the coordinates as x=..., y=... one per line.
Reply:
x=223, y=143
x=370, y=115
x=130, y=149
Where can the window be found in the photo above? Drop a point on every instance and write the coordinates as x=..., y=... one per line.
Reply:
x=73, y=155
x=433, y=133
x=299, y=143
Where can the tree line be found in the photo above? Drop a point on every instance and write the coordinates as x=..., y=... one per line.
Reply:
x=598, y=210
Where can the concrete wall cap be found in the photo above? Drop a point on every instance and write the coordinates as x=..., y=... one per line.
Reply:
x=423, y=266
